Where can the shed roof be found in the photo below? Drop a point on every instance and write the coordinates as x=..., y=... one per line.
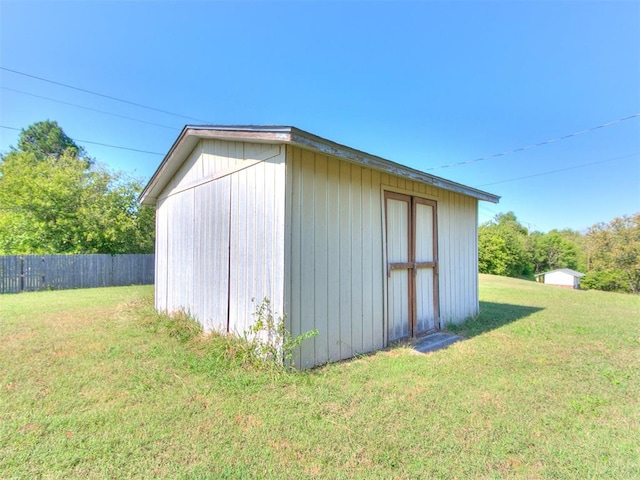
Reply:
x=191, y=135
x=568, y=271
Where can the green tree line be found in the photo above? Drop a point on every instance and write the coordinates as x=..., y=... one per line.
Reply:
x=609, y=253
x=54, y=198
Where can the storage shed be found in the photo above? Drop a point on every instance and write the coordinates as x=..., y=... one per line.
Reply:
x=562, y=277
x=362, y=249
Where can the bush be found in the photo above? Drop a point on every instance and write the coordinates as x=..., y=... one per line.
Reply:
x=607, y=280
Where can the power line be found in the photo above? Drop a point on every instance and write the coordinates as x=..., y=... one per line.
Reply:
x=102, y=95
x=116, y=146
x=559, y=170
x=495, y=214
x=546, y=142
x=482, y=206
x=88, y=108
x=98, y=143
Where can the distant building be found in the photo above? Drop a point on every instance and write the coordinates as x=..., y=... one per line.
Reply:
x=562, y=277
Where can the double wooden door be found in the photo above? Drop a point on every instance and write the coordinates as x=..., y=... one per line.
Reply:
x=412, y=265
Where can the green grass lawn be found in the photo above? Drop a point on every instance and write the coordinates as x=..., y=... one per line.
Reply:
x=547, y=385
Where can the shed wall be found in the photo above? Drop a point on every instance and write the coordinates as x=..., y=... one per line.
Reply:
x=457, y=246
x=335, y=248
x=458, y=251
x=561, y=278
x=224, y=207
x=336, y=275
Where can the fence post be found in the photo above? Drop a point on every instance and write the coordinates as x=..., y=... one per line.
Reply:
x=43, y=277
x=21, y=284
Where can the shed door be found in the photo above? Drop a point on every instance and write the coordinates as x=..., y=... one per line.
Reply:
x=412, y=279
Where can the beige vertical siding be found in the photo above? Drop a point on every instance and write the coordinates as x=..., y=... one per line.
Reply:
x=336, y=275
x=179, y=245
x=225, y=206
x=458, y=252
x=257, y=237
x=335, y=282
x=161, y=256
x=211, y=254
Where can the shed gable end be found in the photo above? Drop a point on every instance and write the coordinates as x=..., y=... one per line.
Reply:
x=220, y=224
x=213, y=159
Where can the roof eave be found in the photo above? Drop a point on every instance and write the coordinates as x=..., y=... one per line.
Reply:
x=191, y=134
x=146, y=197
x=189, y=138
x=308, y=140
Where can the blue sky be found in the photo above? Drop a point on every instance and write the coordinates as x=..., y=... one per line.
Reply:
x=425, y=84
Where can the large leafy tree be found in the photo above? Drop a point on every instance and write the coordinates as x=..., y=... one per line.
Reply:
x=552, y=250
x=492, y=252
x=46, y=139
x=503, y=247
x=613, y=251
x=54, y=200
x=578, y=241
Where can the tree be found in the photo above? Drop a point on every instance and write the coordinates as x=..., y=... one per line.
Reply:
x=46, y=139
x=615, y=248
x=552, y=250
x=492, y=252
x=59, y=203
x=578, y=240
x=502, y=247
x=39, y=199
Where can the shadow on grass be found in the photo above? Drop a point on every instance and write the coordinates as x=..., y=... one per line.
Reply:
x=492, y=316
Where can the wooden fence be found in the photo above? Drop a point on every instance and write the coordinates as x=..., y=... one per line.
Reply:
x=26, y=273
